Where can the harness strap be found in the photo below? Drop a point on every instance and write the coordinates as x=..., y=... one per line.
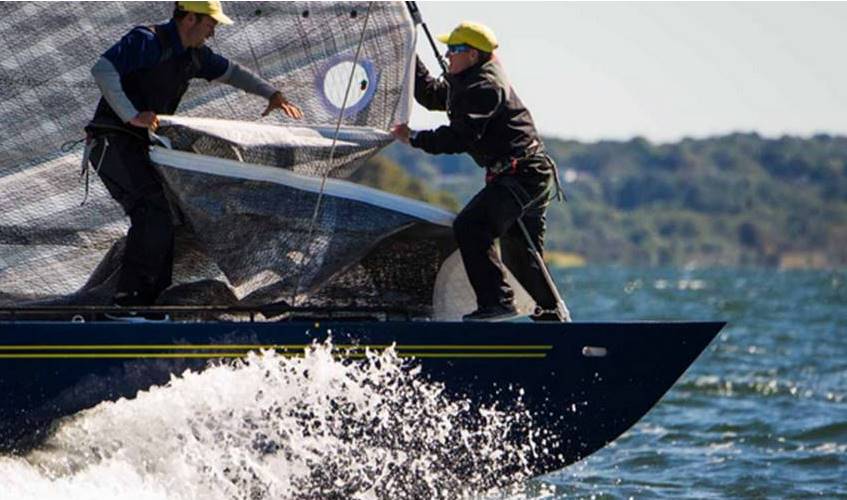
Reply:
x=561, y=310
x=90, y=144
x=560, y=193
x=519, y=194
x=509, y=167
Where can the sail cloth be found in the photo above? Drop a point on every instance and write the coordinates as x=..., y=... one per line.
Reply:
x=53, y=248
x=239, y=180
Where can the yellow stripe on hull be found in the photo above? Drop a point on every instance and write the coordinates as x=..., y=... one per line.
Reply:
x=200, y=355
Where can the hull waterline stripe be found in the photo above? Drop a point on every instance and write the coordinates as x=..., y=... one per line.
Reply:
x=195, y=355
x=234, y=347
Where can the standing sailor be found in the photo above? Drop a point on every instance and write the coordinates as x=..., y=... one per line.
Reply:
x=146, y=74
x=489, y=121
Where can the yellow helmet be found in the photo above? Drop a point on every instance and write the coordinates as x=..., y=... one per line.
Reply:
x=212, y=9
x=473, y=34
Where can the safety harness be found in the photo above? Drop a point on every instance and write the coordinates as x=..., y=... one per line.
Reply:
x=93, y=138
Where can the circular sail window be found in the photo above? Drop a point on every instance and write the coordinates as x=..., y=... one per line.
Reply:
x=334, y=83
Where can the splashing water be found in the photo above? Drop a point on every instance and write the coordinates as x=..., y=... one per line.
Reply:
x=272, y=426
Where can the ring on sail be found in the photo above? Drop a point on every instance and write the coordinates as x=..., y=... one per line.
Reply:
x=332, y=83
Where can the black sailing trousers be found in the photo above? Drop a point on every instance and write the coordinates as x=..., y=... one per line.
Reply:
x=147, y=264
x=493, y=214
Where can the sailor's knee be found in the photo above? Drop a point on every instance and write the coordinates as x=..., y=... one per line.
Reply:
x=462, y=226
x=152, y=207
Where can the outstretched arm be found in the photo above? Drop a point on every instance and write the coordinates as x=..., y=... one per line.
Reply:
x=468, y=123
x=277, y=101
x=240, y=77
x=430, y=92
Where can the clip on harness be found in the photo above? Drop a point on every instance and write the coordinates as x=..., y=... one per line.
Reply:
x=510, y=167
x=90, y=144
x=84, y=173
x=91, y=141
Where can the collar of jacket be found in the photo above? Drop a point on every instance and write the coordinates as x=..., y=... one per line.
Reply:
x=170, y=30
x=470, y=73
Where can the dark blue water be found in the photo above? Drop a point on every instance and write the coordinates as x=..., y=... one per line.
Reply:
x=761, y=414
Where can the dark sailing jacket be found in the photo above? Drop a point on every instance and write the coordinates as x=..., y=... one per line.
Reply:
x=487, y=118
x=160, y=87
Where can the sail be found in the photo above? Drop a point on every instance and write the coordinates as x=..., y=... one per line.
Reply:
x=253, y=214
x=342, y=63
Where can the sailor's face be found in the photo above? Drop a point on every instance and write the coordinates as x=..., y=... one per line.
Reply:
x=200, y=29
x=460, y=61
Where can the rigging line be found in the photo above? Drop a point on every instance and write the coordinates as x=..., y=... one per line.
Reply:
x=418, y=18
x=253, y=55
x=224, y=93
x=332, y=150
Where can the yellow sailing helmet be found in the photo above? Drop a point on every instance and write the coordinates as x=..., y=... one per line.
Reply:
x=473, y=34
x=212, y=9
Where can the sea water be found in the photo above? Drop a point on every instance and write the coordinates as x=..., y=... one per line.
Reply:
x=279, y=427
x=761, y=414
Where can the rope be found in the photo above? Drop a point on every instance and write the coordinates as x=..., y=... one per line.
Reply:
x=86, y=168
x=69, y=146
x=316, y=211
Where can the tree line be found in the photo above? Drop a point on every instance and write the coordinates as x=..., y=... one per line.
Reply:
x=739, y=199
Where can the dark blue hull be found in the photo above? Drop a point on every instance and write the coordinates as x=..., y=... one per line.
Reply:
x=585, y=383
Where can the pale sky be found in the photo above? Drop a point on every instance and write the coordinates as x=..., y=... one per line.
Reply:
x=664, y=71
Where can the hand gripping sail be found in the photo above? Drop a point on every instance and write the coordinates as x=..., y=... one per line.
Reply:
x=50, y=246
x=242, y=188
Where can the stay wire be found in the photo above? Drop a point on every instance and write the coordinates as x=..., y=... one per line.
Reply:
x=316, y=211
x=417, y=17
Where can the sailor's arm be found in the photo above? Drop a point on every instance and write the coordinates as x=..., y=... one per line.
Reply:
x=467, y=124
x=241, y=78
x=109, y=81
x=430, y=92
x=135, y=50
x=446, y=139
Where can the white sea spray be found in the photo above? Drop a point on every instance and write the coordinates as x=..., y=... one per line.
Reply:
x=273, y=426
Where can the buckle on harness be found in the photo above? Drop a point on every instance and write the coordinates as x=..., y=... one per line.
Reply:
x=505, y=167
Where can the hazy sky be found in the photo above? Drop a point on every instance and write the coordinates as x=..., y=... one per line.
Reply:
x=664, y=71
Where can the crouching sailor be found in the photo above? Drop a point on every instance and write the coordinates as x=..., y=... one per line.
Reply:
x=489, y=121
x=146, y=74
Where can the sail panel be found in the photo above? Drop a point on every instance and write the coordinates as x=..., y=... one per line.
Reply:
x=53, y=248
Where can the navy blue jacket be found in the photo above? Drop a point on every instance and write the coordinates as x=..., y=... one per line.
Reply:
x=155, y=71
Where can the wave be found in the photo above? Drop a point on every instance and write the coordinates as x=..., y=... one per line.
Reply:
x=279, y=427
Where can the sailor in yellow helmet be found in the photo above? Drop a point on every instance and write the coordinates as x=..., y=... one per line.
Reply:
x=143, y=75
x=489, y=122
